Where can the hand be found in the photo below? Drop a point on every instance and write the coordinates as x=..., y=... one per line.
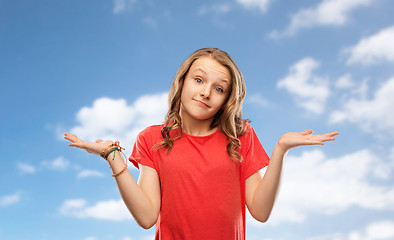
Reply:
x=296, y=139
x=91, y=147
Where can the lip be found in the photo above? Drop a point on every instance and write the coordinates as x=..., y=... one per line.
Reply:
x=202, y=103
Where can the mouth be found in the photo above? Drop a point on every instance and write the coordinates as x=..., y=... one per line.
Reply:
x=202, y=103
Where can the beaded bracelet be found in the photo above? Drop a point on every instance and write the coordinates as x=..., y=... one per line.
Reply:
x=121, y=171
x=110, y=151
x=104, y=154
x=112, y=148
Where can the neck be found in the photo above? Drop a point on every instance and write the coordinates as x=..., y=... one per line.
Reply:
x=196, y=127
x=197, y=130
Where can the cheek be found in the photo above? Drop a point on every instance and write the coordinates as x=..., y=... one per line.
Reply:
x=187, y=90
x=220, y=103
x=224, y=98
x=185, y=95
x=182, y=96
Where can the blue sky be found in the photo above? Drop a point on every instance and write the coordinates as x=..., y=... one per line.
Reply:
x=101, y=69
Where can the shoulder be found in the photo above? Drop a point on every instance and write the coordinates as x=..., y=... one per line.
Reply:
x=152, y=129
x=249, y=136
x=248, y=131
x=248, y=127
x=151, y=133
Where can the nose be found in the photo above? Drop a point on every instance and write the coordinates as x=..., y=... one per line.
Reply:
x=205, y=92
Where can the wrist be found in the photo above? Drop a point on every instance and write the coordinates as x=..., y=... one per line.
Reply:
x=110, y=150
x=115, y=160
x=280, y=149
x=111, y=154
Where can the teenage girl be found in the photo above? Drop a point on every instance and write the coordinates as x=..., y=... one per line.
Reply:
x=200, y=168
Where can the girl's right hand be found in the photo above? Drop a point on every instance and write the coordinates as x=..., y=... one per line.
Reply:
x=91, y=147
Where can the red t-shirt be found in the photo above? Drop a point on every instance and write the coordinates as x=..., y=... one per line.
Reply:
x=202, y=188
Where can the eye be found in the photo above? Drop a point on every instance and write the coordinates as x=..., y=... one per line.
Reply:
x=198, y=80
x=218, y=89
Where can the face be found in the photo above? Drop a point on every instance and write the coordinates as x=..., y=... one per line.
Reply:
x=205, y=89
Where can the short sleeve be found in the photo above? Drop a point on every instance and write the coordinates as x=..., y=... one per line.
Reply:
x=142, y=151
x=253, y=153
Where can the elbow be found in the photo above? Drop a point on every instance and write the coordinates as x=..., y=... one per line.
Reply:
x=263, y=217
x=146, y=219
x=146, y=224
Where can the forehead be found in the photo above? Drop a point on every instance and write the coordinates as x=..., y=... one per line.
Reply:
x=210, y=66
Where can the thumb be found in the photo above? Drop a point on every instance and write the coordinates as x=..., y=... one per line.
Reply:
x=306, y=132
x=78, y=145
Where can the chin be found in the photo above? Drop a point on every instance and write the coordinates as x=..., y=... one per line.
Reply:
x=203, y=117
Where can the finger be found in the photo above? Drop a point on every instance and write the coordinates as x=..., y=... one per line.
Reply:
x=72, y=138
x=306, y=132
x=330, y=136
x=99, y=141
x=334, y=133
x=68, y=137
x=78, y=145
x=325, y=138
x=316, y=142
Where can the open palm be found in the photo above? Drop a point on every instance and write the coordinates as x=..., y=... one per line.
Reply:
x=96, y=147
x=295, y=139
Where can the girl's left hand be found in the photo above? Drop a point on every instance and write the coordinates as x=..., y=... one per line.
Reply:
x=296, y=139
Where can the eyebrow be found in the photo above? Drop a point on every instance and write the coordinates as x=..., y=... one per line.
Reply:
x=225, y=80
x=202, y=70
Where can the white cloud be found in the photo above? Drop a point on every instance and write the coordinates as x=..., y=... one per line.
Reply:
x=262, y=5
x=350, y=88
x=106, y=210
x=149, y=237
x=58, y=163
x=122, y=5
x=310, y=91
x=362, y=90
x=345, y=81
x=373, y=49
x=151, y=22
x=257, y=99
x=392, y=154
x=372, y=115
x=106, y=116
x=215, y=11
x=217, y=8
x=90, y=238
x=382, y=230
x=26, y=168
x=313, y=183
x=326, y=13
x=117, y=120
x=9, y=199
x=90, y=173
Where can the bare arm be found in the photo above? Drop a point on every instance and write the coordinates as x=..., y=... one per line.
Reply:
x=143, y=199
x=261, y=191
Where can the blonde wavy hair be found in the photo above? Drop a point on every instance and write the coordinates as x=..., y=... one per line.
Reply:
x=227, y=119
